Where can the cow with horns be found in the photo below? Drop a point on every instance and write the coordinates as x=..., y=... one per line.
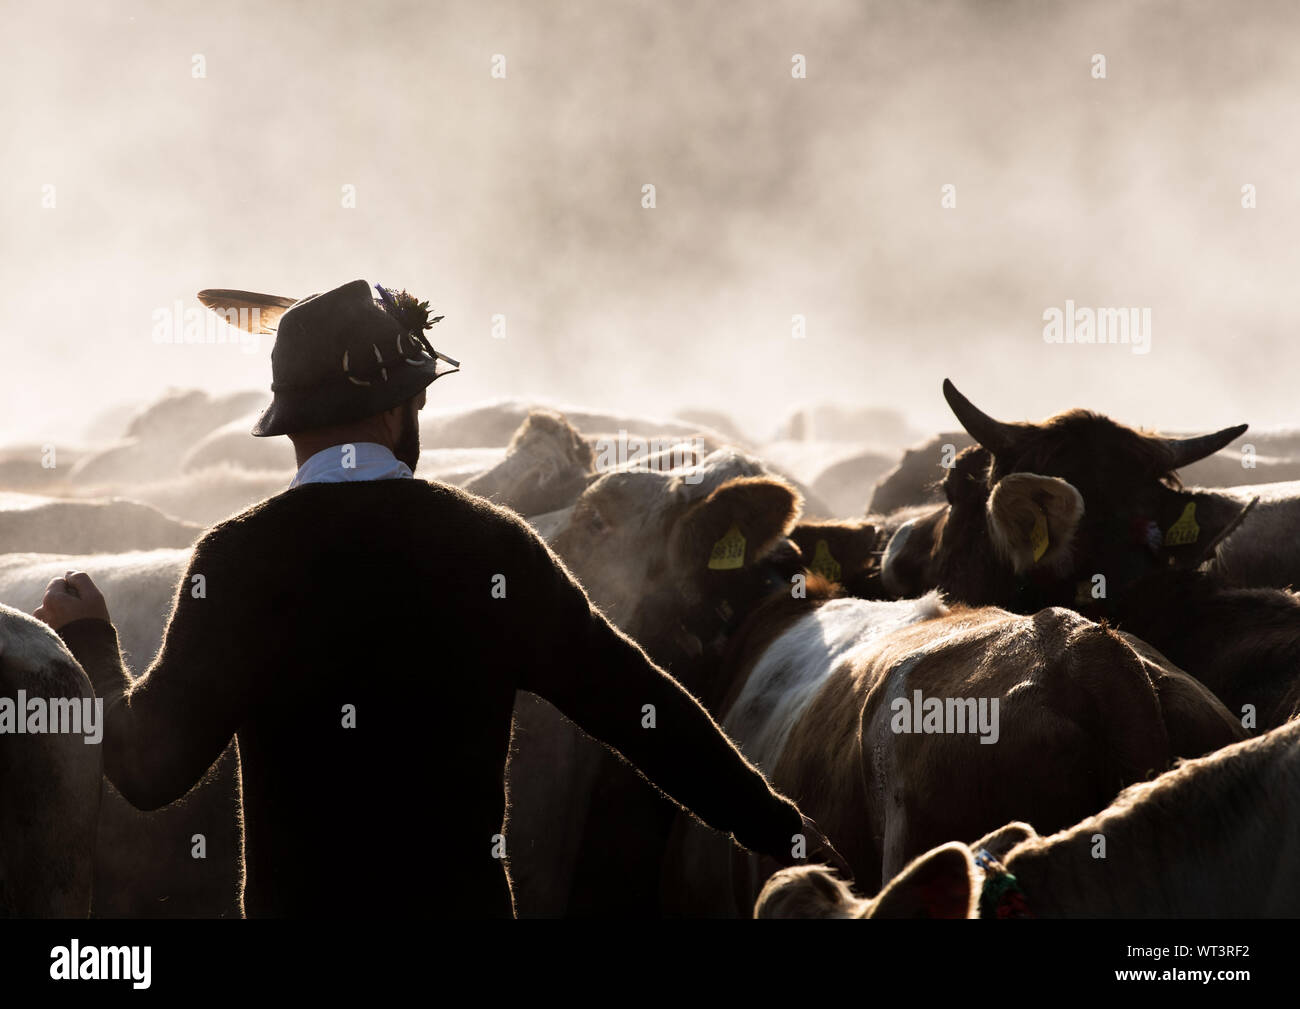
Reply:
x=1084, y=512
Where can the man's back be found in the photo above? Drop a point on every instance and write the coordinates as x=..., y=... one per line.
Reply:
x=381, y=686
x=365, y=641
x=363, y=635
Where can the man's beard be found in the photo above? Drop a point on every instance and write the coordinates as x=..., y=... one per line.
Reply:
x=407, y=449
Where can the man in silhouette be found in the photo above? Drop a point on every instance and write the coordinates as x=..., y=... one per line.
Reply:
x=362, y=636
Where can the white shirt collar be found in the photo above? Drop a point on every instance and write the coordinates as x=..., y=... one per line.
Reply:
x=363, y=460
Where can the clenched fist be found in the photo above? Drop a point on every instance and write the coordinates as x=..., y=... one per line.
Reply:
x=815, y=849
x=72, y=597
x=820, y=849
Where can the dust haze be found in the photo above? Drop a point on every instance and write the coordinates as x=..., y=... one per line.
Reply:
x=775, y=197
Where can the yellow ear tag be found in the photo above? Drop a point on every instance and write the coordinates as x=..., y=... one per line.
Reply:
x=729, y=552
x=1185, y=530
x=823, y=563
x=1038, y=538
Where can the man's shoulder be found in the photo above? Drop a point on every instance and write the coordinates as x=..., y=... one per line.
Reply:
x=405, y=503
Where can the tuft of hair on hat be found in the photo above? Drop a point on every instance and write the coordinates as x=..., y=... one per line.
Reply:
x=410, y=314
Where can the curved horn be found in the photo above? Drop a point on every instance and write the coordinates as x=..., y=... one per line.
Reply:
x=996, y=436
x=1185, y=451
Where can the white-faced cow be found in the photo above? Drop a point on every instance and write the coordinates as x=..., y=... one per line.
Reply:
x=1213, y=838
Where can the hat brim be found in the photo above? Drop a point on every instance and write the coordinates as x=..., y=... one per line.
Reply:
x=293, y=411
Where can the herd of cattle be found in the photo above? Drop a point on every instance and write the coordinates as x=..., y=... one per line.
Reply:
x=1067, y=651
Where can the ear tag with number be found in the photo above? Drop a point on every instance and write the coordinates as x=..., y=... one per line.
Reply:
x=823, y=563
x=729, y=552
x=1185, y=530
x=1038, y=538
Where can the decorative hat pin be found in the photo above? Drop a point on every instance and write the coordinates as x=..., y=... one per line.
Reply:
x=413, y=316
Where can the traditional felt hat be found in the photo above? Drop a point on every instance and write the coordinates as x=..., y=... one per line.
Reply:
x=339, y=356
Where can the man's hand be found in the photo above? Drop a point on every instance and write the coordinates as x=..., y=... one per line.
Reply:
x=820, y=849
x=72, y=597
x=816, y=849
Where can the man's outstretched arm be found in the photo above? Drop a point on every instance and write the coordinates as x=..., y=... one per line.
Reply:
x=603, y=681
x=162, y=732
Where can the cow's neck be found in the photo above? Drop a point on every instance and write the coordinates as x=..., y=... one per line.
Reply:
x=765, y=623
x=1048, y=889
x=698, y=645
x=1064, y=876
x=1172, y=610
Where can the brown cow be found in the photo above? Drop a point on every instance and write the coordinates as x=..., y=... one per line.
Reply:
x=1083, y=512
x=918, y=476
x=809, y=685
x=1214, y=838
x=843, y=553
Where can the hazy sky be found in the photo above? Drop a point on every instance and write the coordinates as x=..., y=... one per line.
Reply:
x=775, y=196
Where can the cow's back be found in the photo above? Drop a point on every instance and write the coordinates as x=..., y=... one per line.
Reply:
x=1078, y=718
x=145, y=864
x=49, y=782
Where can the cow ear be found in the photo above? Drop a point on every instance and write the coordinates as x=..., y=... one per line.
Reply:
x=938, y=884
x=806, y=891
x=835, y=550
x=736, y=524
x=1002, y=840
x=1032, y=520
x=1192, y=520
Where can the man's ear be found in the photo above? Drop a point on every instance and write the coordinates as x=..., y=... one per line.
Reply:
x=1032, y=520
x=736, y=524
x=391, y=421
x=838, y=551
x=939, y=884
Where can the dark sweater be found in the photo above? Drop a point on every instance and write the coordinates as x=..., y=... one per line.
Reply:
x=380, y=595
